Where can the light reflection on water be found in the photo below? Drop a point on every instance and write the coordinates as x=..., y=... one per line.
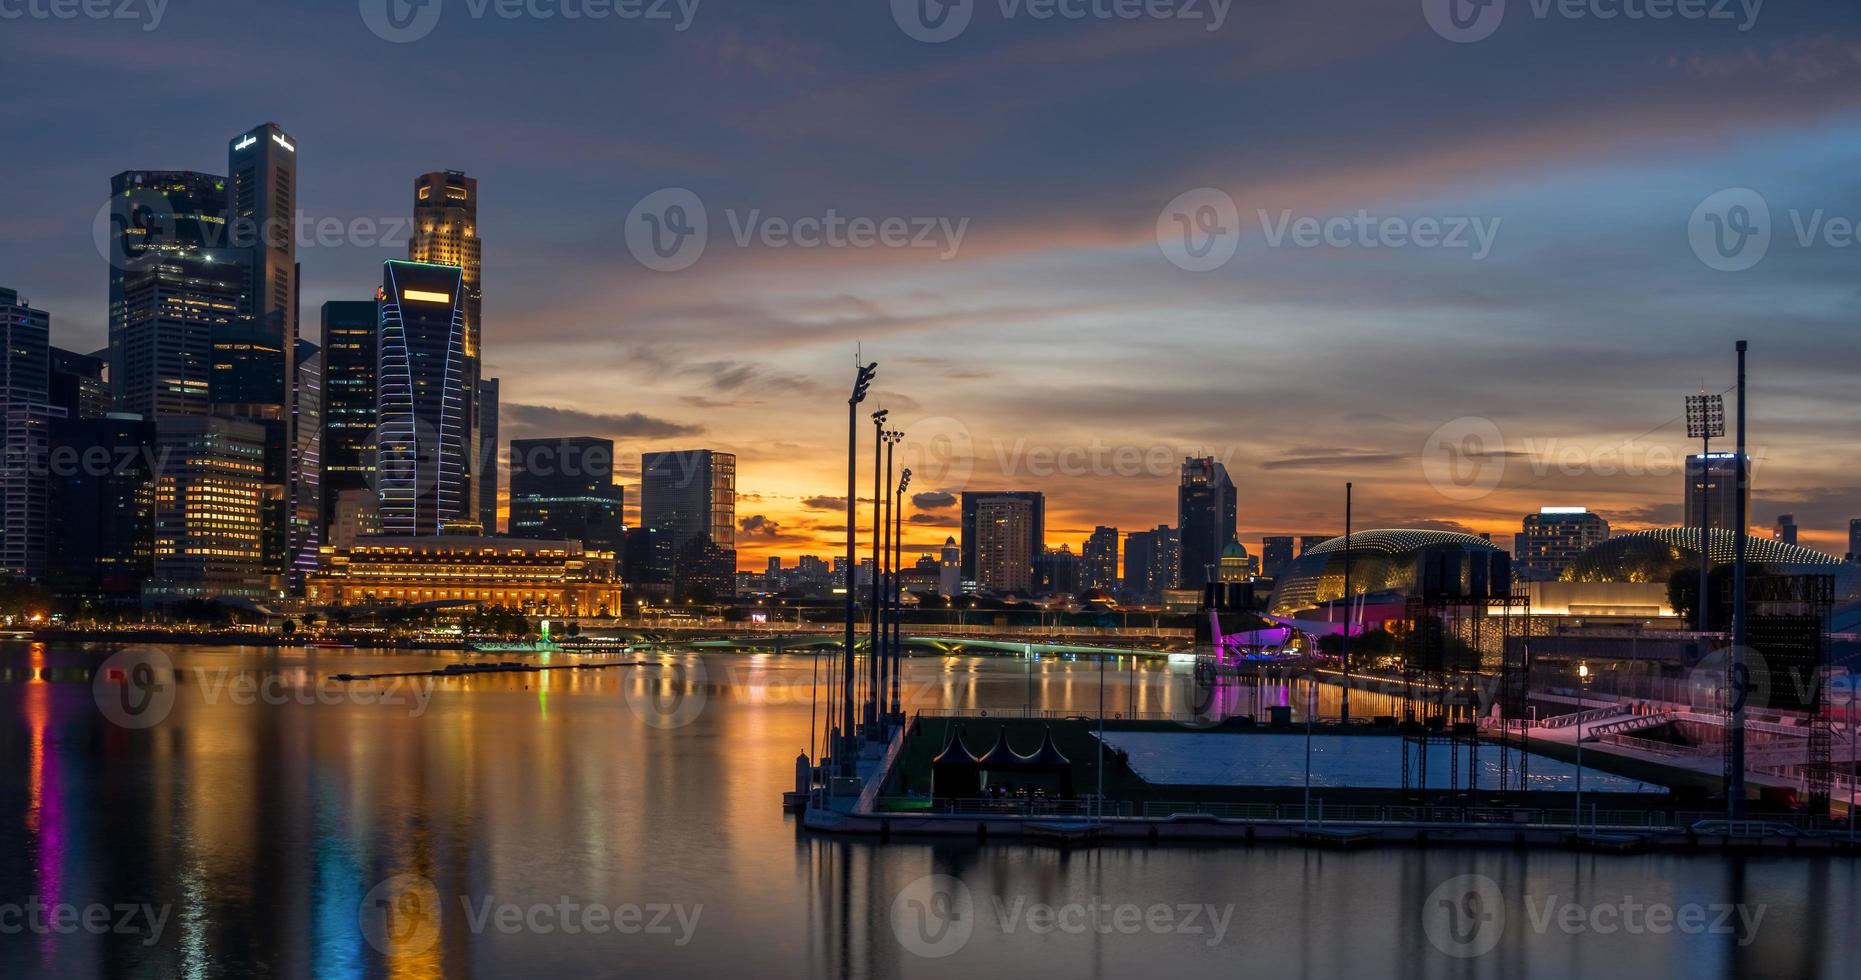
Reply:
x=263, y=823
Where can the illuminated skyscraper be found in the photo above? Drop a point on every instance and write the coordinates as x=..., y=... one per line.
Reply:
x=1004, y=541
x=692, y=496
x=1150, y=561
x=1712, y=490
x=262, y=221
x=1099, y=559
x=209, y=535
x=176, y=285
x=306, y=463
x=446, y=233
x=349, y=353
x=422, y=400
x=1033, y=531
x=1206, y=510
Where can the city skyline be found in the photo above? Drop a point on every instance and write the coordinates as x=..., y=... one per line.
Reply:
x=1006, y=345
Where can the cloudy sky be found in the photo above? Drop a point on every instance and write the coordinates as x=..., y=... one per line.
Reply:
x=1471, y=259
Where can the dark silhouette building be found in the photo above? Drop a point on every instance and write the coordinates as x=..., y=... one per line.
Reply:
x=563, y=489
x=1207, y=508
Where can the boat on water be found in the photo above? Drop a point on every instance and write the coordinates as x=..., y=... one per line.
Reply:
x=328, y=645
x=496, y=646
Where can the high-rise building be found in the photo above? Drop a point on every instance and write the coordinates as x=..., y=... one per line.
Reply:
x=306, y=463
x=563, y=490
x=1057, y=572
x=1309, y=541
x=422, y=401
x=176, y=286
x=489, y=483
x=1552, y=538
x=355, y=514
x=1035, y=531
x=1004, y=543
x=446, y=233
x=1099, y=559
x=1854, y=539
x=261, y=217
x=692, y=495
x=647, y=563
x=1785, y=530
x=1275, y=554
x=1712, y=484
x=102, y=509
x=209, y=534
x=77, y=384
x=350, y=413
x=1207, y=506
x=25, y=427
x=1151, y=559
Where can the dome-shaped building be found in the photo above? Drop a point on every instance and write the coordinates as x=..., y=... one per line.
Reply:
x=1386, y=560
x=1654, y=557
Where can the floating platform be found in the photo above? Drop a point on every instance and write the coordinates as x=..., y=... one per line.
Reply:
x=1609, y=843
x=473, y=670
x=1069, y=833
x=1339, y=837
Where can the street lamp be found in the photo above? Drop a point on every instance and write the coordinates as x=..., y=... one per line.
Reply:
x=1583, y=678
x=1705, y=422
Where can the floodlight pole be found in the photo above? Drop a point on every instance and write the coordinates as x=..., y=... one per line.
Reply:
x=878, y=569
x=844, y=749
x=898, y=605
x=1735, y=738
x=1344, y=714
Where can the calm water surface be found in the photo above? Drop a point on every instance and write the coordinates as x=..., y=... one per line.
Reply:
x=626, y=822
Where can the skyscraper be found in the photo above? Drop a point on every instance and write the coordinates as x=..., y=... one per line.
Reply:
x=1550, y=539
x=262, y=220
x=563, y=489
x=422, y=401
x=209, y=532
x=446, y=233
x=1207, y=506
x=1035, y=531
x=1712, y=484
x=1309, y=541
x=1099, y=559
x=1785, y=530
x=306, y=463
x=1004, y=543
x=349, y=353
x=488, y=466
x=1275, y=554
x=1854, y=539
x=176, y=285
x=692, y=496
x=1150, y=562
x=25, y=421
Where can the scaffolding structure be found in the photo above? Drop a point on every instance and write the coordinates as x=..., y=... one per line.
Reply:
x=1787, y=667
x=1465, y=666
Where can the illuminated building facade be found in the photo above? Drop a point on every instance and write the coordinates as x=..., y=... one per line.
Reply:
x=1033, y=531
x=349, y=410
x=306, y=463
x=564, y=489
x=1712, y=491
x=1004, y=544
x=545, y=578
x=1099, y=559
x=262, y=217
x=78, y=385
x=1207, y=507
x=175, y=285
x=1150, y=560
x=446, y=233
x=1552, y=538
x=422, y=400
x=208, y=537
x=691, y=495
